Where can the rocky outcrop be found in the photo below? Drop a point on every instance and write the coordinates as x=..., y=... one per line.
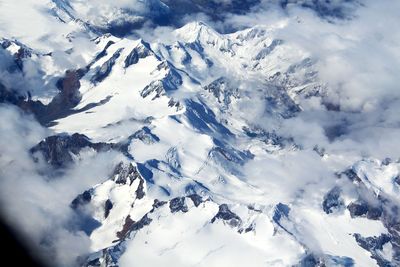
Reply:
x=178, y=204
x=146, y=136
x=374, y=245
x=332, y=201
x=226, y=215
x=364, y=209
x=58, y=150
x=170, y=82
x=105, y=69
x=142, y=50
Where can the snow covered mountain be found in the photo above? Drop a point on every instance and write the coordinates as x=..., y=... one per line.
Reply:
x=187, y=146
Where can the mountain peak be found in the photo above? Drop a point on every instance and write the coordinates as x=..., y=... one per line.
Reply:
x=198, y=31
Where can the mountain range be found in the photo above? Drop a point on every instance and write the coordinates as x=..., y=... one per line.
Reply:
x=172, y=133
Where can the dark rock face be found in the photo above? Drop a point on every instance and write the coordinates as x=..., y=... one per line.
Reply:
x=144, y=221
x=391, y=220
x=375, y=245
x=363, y=209
x=227, y=215
x=106, y=68
x=127, y=173
x=132, y=58
x=146, y=136
x=161, y=87
x=358, y=209
x=60, y=106
x=81, y=200
x=372, y=243
x=197, y=200
x=108, y=205
x=103, y=53
x=397, y=180
x=312, y=260
x=143, y=50
x=332, y=201
x=125, y=229
x=140, y=190
x=131, y=226
x=157, y=204
x=69, y=86
x=352, y=175
x=156, y=87
x=178, y=204
x=281, y=211
x=57, y=150
x=124, y=173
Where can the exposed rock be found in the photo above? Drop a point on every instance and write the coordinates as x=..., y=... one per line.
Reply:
x=397, y=180
x=363, y=209
x=352, y=175
x=22, y=53
x=197, y=200
x=249, y=228
x=324, y=260
x=124, y=173
x=332, y=201
x=157, y=204
x=170, y=82
x=103, y=53
x=375, y=245
x=227, y=215
x=126, y=227
x=386, y=161
x=131, y=226
x=143, y=50
x=358, y=209
x=178, y=204
x=108, y=205
x=281, y=211
x=140, y=189
x=82, y=199
x=106, y=68
x=144, y=221
x=63, y=103
x=57, y=150
x=156, y=87
x=146, y=136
